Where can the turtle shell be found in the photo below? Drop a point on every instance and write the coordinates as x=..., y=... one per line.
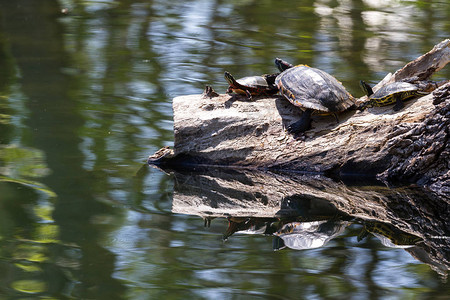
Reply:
x=252, y=85
x=312, y=88
x=253, y=82
x=393, y=88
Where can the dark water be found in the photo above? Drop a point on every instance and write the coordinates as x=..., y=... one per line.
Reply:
x=85, y=97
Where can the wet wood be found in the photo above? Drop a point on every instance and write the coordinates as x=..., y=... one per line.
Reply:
x=410, y=145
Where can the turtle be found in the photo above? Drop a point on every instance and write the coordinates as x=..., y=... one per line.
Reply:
x=252, y=85
x=395, y=92
x=313, y=90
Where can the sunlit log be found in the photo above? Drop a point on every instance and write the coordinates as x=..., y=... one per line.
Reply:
x=410, y=145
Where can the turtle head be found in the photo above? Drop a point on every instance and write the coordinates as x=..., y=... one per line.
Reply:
x=365, y=87
x=282, y=65
x=229, y=78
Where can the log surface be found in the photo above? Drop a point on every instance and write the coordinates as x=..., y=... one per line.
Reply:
x=409, y=145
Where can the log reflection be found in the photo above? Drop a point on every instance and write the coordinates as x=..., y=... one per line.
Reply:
x=304, y=212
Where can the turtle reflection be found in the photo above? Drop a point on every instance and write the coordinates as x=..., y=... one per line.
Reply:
x=389, y=235
x=308, y=235
x=299, y=234
x=289, y=232
x=264, y=226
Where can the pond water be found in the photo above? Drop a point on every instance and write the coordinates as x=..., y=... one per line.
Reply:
x=85, y=98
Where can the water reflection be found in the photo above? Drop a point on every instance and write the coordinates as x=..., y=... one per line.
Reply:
x=53, y=235
x=297, y=233
x=308, y=235
x=85, y=98
x=301, y=212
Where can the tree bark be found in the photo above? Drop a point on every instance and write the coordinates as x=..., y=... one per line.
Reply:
x=410, y=145
x=240, y=136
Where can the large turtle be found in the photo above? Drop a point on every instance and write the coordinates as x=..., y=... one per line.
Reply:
x=313, y=90
x=252, y=85
x=395, y=92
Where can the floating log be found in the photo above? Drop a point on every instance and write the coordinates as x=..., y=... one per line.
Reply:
x=410, y=145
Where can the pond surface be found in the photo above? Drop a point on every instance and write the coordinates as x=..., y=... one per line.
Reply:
x=85, y=98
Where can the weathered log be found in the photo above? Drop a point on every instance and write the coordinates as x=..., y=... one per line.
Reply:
x=409, y=145
x=246, y=194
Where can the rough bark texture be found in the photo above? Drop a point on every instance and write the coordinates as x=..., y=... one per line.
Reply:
x=409, y=145
x=421, y=153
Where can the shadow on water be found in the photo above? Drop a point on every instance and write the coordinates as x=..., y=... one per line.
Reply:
x=304, y=212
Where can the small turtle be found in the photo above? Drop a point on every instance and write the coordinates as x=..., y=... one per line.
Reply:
x=313, y=90
x=395, y=92
x=252, y=85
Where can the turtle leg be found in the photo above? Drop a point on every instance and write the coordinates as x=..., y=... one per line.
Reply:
x=398, y=103
x=303, y=124
x=366, y=104
x=278, y=243
x=362, y=106
x=336, y=118
x=362, y=234
x=249, y=95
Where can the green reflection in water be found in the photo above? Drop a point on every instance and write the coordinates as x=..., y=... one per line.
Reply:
x=27, y=267
x=33, y=184
x=22, y=162
x=30, y=252
x=86, y=96
x=29, y=286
